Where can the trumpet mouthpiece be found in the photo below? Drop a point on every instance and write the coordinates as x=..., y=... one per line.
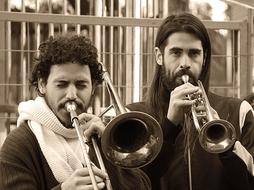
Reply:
x=185, y=78
x=70, y=106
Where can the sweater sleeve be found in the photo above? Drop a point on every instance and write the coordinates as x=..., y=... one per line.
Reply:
x=239, y=162
x=15, y=172
x=22, y=166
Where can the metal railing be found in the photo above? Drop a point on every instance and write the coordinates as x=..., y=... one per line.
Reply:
x=125, y=42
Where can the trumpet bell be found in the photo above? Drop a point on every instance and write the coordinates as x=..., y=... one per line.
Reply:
x=132, y=140
x=217, y=136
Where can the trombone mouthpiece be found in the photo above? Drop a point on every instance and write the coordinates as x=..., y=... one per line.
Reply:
x=70, y=106
x=185, y=78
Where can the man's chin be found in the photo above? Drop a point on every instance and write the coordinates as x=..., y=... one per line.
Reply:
x=67, y=124
x=65, y=119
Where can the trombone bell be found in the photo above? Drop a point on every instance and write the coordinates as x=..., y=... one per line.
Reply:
x=132, y=140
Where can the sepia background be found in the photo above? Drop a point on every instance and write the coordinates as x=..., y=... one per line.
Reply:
x=124, y=32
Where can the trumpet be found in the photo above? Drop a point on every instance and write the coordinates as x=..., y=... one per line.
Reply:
x=132, y=139
x=215, y=135
x=71, y=108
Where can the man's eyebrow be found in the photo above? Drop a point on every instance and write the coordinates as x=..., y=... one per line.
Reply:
x=195, y=49
x=60, y=80
x=175, y=49
x=82, y=81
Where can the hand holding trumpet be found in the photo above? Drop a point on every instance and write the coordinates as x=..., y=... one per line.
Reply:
x=180, y=101
x=215, y=135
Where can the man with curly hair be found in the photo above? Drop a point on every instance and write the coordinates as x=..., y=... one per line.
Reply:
x=44, y=152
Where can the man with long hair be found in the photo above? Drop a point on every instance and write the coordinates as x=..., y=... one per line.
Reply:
x=183, y=48
x=44, y=152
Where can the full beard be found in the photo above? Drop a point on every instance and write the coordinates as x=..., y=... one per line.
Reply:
x=170, y=82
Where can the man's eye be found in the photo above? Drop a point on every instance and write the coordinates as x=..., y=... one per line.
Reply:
x=194, y=54
x=61, y=85
x=81, y=86
x=175, y=53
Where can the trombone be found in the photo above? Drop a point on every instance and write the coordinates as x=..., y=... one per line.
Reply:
x=71, y=108
x=215, y=135
x=130, y=140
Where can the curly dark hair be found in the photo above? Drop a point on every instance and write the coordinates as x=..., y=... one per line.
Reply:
x=65, y=48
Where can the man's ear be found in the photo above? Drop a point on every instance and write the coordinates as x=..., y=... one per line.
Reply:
x=158, y=56
x=41, y=87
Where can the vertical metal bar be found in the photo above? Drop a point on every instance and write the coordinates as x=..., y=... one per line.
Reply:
x=250, y=17
x=157, y=9
x=103, y=56
x=91, y=12
x=165, y=8
x=65, y=26
x=37, y=28
x=9, y=52
x=136, y=67
x=128, y=51
x=77, y=11
x=3, y=56
x=229, y=59
x=252, y=50
x=235, y=59
x=119, y=56
x=114, y=67
x=97, y=42
x=111, y=50
x=51, y=25
x=146, y=49
x=28, y=65
x=22, y=55
x=151, y=39
x=244, y=73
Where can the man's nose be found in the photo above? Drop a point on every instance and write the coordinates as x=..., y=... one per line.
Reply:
x=71, y=93
x=185, y=62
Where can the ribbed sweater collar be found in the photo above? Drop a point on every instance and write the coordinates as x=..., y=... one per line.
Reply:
x=37, y=110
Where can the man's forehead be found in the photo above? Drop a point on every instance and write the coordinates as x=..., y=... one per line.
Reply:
x=70, y=71
x=184, y=40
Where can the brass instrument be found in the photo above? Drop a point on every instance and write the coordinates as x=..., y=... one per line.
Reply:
x=132, y=139
x=71, y=108
x=215, y=135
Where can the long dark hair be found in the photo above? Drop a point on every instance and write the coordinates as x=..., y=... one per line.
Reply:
x=158, y=96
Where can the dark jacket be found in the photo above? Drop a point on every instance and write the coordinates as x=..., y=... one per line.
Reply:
x=227, y=171
x=23, y=167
